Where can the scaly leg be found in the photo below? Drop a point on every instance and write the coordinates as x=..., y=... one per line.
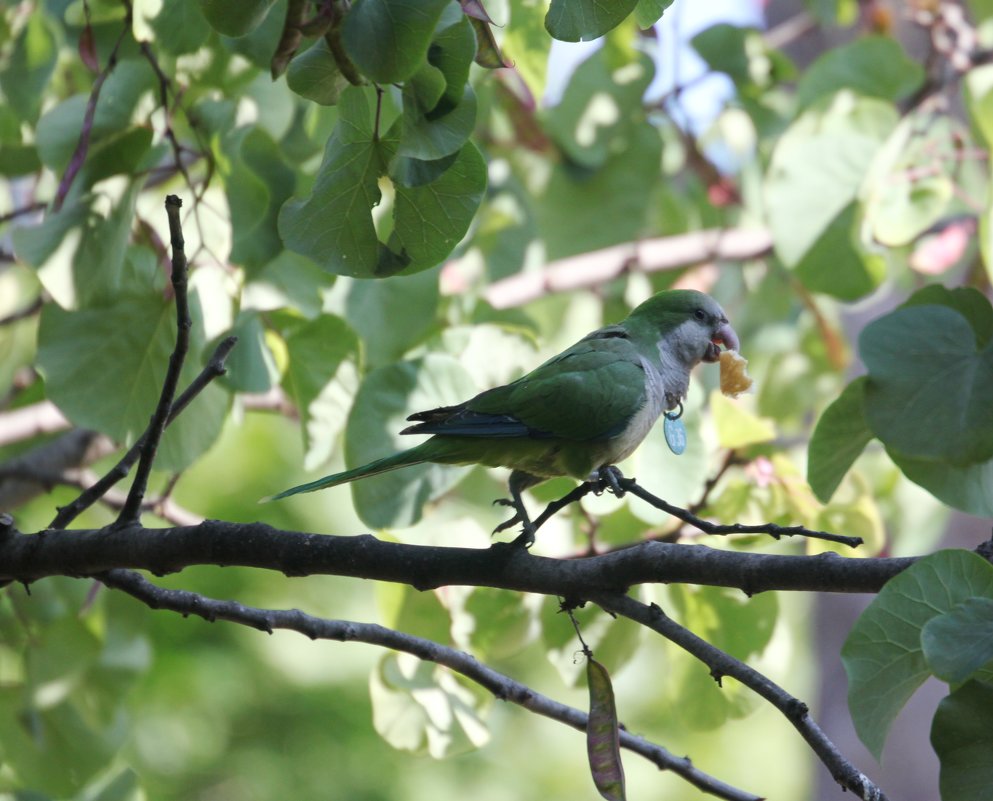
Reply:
x=519, y=481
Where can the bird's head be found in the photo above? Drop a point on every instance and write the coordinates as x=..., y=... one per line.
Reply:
x=692, y=325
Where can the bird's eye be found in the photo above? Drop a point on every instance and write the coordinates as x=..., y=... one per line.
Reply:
x=700, y=314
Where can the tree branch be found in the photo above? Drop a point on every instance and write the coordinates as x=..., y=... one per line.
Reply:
x=623, y=485
x=83, y=145
x=722, y=664
x=84, y=552
x=501, y=686
x=649, y=255
x=33, y=472
x=213, y=369
x=160, y=417
x=29, y=421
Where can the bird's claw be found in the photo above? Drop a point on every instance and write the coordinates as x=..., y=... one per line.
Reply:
x=609, y=478
x=527, y=536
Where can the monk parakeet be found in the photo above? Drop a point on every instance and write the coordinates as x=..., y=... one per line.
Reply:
x=581, y=411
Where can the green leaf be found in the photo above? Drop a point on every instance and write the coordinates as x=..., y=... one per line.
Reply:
x=969, y=488
x=180, y=27
x=388, y=39
x=904, y=194
x=250, y=367
x=883, y=656
x=966, y=300
x=585, y=20
x=259, y=183
x=501, y=623
x=431, y=219
x=874, y=66
x=582, y=210
x=914, y=355
x=526, y=44
x=728, y=49
x=424, y=708
x=59, y=127
x=978, y=85
x=384, y=400
x=235, y=17
x=960, y=642
x=836, y=264
x=30, y=65
x=428, y=137
x=603, y=734
x=736, y=426
x=615, y=640
x=79, y=254
x=314, y=74
x=839, y=438
x=391, y=316
x=818, y=166
x=104, y=366
x=287, y=280
x=439, y=109
x=599, y=108
x=321, y=389
x=962, y=736
x=334, y=225
x=648, y=12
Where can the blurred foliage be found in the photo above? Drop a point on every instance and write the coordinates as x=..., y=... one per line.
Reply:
x=358, y=181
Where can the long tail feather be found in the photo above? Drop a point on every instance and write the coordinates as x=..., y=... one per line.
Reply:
x=387, y=463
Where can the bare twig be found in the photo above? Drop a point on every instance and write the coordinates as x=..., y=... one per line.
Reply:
x=213, y=369
x=723, y=664
x=772, y=529
x=30, y=208
x=649, y=255
x=500, y=685
x=83, y=145
x=184, y=323
x=630, y=485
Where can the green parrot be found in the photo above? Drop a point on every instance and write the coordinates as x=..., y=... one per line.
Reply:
x=577, y=414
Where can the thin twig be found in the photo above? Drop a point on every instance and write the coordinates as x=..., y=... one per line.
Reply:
x=723, y=664
x=83, y=145
x=630, y=485
x=22, y=210
x=213, y=369
x=132, y=508
x=772, y=529
x=501, y=686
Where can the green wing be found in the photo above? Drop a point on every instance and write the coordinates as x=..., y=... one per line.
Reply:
x=588, y=392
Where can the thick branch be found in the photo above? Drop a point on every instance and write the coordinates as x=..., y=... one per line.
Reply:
x=502, y=687
x=722, y=664
x=649, y=255
x=213, y=542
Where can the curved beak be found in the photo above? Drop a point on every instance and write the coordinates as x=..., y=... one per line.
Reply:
x=723, y=335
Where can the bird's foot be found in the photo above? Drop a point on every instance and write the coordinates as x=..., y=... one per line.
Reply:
x=528, y=530
x=608, y=478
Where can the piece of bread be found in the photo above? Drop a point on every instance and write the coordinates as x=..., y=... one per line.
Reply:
x=734, y=374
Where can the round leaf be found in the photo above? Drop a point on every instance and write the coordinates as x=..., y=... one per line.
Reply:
x=929, y=389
